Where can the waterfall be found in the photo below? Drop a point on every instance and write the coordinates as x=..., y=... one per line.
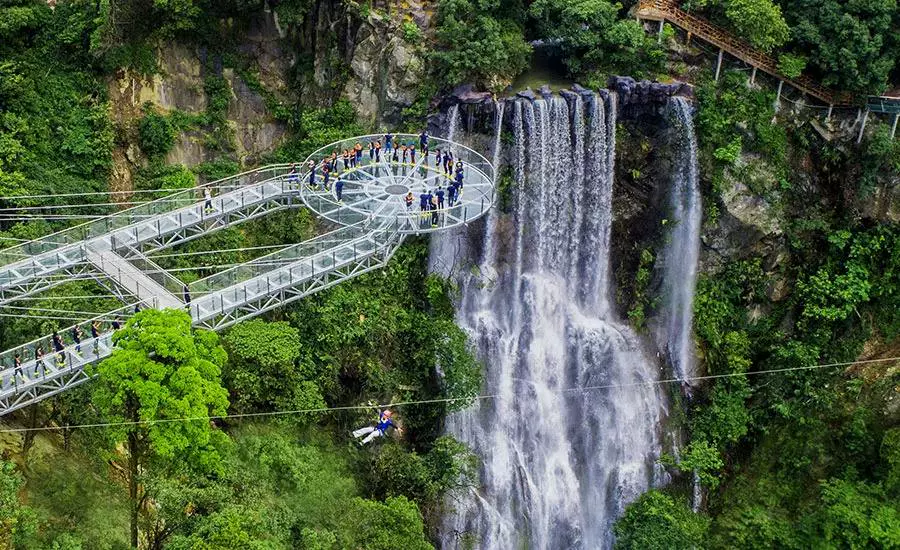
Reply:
x=559, y=463
x=490, y=249
x=452, y=122
x=498, y=130
x=679, y=259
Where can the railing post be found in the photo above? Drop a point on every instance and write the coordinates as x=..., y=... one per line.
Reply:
x=719, y=64
x=862, y=127
x=778, y=95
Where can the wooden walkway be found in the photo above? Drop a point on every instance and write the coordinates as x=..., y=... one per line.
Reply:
x=668, y=10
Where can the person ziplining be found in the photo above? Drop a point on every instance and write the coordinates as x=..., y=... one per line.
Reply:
x=385, y=423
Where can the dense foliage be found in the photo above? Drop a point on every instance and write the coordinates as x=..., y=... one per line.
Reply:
x=850, y=46
x=593, y=38
x=804, y=458
x=477, y=40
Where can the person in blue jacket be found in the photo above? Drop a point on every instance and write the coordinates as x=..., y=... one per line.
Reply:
x=380, y=429
x=339, y=188
x=423, y=142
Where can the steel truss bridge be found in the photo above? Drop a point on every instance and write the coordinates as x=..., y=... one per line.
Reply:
x=367, y=211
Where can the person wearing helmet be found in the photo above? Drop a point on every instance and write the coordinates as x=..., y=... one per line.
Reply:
x=379, y=430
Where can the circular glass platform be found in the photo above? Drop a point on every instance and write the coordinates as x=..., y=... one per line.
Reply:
x=387, y=187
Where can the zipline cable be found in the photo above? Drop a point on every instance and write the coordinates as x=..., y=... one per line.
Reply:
x=434, y=401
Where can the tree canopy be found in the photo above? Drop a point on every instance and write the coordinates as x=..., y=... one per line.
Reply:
x=160, y=372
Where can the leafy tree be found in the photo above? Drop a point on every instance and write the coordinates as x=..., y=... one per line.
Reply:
x=855, y=515
x=758, y=21
x=656, y=520
x=233, y=528
x=593, y=38
x=156, y=133
x=890, y=456
x=791, y=65
x=699, y=457
x=447, y=467
x=849, y=44
x=396, y=523
x=268, y=369
x=160, y=371
x=16, y=519
x=724, y=418
x=475, y=42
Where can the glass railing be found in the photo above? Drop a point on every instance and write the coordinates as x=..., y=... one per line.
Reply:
x=478, y=194
x=151, y=269
x=44, y=349
x=276, y=260
x=127, y=217
x=296, y=266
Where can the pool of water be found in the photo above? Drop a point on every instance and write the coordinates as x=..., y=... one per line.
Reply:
x=545, y=68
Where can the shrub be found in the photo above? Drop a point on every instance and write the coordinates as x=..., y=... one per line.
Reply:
x=156, y=133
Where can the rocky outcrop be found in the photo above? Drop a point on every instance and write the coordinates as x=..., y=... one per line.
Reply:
x=255, y=131
x=179, y=85
x=883, y=204
x=386, y=73
x=748, y=223
x=644, y=92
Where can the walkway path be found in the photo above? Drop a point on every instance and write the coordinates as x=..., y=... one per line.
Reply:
x=668, y=10
x=370, y=211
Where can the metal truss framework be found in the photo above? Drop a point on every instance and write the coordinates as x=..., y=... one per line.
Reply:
x=370, y=234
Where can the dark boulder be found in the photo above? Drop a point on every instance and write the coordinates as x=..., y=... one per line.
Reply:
x=546, y=92
x=527, y=93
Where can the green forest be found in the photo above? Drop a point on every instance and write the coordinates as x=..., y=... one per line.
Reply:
x=200, y=440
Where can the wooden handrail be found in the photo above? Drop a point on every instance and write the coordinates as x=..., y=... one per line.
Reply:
x=668, y=10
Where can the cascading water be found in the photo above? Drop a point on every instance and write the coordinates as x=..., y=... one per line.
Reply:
x=679, y=259
x=453, y=122
x=559, y=463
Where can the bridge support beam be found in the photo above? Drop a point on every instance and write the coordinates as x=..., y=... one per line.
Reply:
x=689, y=35
x=778, y=94
x=828, y=114
x=862, y=127
x=753, y=76
x=660, y=32
x=894, y=125
x=719, y=64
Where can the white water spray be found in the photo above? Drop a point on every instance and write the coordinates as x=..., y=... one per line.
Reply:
x=679, y=259
x=558, y=467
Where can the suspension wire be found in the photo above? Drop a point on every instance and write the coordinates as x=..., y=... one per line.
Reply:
x=132, y=192
x=87, y=205
x=61, y=318
x=49, y=310
x=581, y=389
x=62, y=297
